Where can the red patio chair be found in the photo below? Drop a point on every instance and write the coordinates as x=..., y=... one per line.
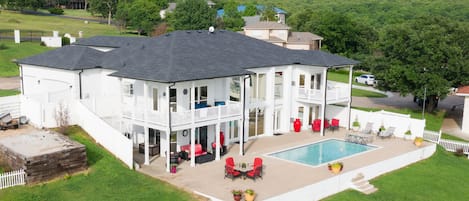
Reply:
x=229, y=161
x=257, y=169
x=230, y=172
x=334, y=124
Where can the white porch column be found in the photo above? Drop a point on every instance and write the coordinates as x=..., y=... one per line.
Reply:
x=243, y=116
x=217, y=140
x=168, y=130
x=324, y=101
x=349, y=103
x=147, y=154
x=193, y=125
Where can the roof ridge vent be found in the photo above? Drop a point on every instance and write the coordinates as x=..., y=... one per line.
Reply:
x=188, y=32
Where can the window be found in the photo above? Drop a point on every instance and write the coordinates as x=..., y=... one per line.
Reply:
x=302, y=81
x=128, y=89
x=201, y=94
x=155, y=99
x=173, y=99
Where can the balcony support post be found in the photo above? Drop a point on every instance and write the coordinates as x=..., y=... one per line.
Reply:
x=193, y=125
x=349, y=103
x=324, y=102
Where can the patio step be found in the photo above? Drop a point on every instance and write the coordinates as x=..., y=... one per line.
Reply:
x=361, y=184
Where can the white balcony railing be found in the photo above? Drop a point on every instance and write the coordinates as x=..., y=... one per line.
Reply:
x=335, y=92
x=232, y=109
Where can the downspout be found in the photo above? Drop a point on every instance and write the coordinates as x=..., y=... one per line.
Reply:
x=168, y=163
x=79, y=83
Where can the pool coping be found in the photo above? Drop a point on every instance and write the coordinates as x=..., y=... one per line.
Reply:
x=377, y=147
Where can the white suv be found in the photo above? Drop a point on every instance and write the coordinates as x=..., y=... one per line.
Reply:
x=366, y=79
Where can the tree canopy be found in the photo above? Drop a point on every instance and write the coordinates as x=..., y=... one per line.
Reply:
x=143, y=15
x=231, y=19
x=22, y=4
x=106, y=8
x=192, y=15
x=424, y=57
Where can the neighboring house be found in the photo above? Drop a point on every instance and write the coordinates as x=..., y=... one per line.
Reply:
x=172, y=7
x=280, y=34
x=464, y=91
x=185, y=87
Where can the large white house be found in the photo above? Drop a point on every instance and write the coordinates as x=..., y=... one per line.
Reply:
x=186, y=87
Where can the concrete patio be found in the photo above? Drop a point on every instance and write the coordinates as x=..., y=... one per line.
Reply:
x=279, y=177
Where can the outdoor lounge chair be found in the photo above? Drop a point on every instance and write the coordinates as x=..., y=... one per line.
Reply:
x=7, y=122
x=230, y=170
x=388, y=133
x=368, y=128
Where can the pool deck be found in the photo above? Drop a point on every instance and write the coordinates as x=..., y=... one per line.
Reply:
x=279, y=176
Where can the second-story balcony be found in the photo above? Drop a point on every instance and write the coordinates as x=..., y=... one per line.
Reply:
x=229, y=111
x=335, y=93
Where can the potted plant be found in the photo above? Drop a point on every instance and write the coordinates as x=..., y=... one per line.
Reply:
x=335, y=167
x=418, y=141
x=407, y=134
x=356, y=125
x=249, y=195
x=237, y=194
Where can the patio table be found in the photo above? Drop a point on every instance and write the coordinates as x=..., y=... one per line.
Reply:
x=243, y=169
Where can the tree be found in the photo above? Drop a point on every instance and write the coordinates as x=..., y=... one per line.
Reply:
x=192, y=14
x=250, y=10
x=424, y=57
x=104, y=7
x=341, y=34
x=22, y=4
x=143, y=15
x=268, y=13
x=231, y=19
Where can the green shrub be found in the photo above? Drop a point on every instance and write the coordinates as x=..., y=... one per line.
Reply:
x=56, y=11
x=3, y=46
x=65, y=41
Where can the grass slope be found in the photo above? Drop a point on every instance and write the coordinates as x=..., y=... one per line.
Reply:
x=106, y=179
x=16, y=51
x=6, y=92
x=441, y=177
x=14, y=20
x=365, y=93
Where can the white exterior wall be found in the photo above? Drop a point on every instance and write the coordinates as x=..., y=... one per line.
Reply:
x=280, y=33
x=256, y=33
x=52, y=41
x=465, y=118
x=42, y=80
x=298, y=46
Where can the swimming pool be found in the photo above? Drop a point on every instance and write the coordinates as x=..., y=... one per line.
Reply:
x=321, y=152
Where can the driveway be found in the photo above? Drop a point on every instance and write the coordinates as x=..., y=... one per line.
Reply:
x=10, y=83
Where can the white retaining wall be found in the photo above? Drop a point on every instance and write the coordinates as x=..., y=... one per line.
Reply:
x=401, y=122
x=10, y=104
x=343, y=181
x=104, y=134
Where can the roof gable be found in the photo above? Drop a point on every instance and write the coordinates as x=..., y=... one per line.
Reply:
x=67, y=57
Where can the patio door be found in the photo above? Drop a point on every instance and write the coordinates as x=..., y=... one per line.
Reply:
x=201, y=136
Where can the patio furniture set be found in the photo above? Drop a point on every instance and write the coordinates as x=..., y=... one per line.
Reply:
x=316, y=126
x=7, y=122
x=234, y=170
x=366, y=136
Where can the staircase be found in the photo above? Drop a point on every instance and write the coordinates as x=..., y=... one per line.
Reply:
x=359, y=183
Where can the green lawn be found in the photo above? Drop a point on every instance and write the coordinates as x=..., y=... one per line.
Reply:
x=365, y=93
x=433, y=121
x=441, y=177
x=16, y=51
x=106, y=179
x=14, y=20
x=6, y=92
x=451, y=137
x=342, y=75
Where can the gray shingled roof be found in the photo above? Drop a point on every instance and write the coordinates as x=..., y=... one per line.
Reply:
x=184, y=56
x=192, y=55
x=266, y=25
x=67, y=57
x=109, y=41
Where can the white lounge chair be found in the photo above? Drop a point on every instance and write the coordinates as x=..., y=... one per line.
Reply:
x=368, y=128
x=388, y=133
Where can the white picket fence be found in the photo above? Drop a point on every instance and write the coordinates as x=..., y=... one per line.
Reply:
x=10, y=104
x=13, y=178
x=449, y=145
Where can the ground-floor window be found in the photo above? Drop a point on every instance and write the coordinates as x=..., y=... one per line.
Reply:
x=256, y=121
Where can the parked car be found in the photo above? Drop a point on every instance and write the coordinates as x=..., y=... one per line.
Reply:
x=366, y=79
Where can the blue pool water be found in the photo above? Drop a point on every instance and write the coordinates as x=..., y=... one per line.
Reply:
x=321, y=152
